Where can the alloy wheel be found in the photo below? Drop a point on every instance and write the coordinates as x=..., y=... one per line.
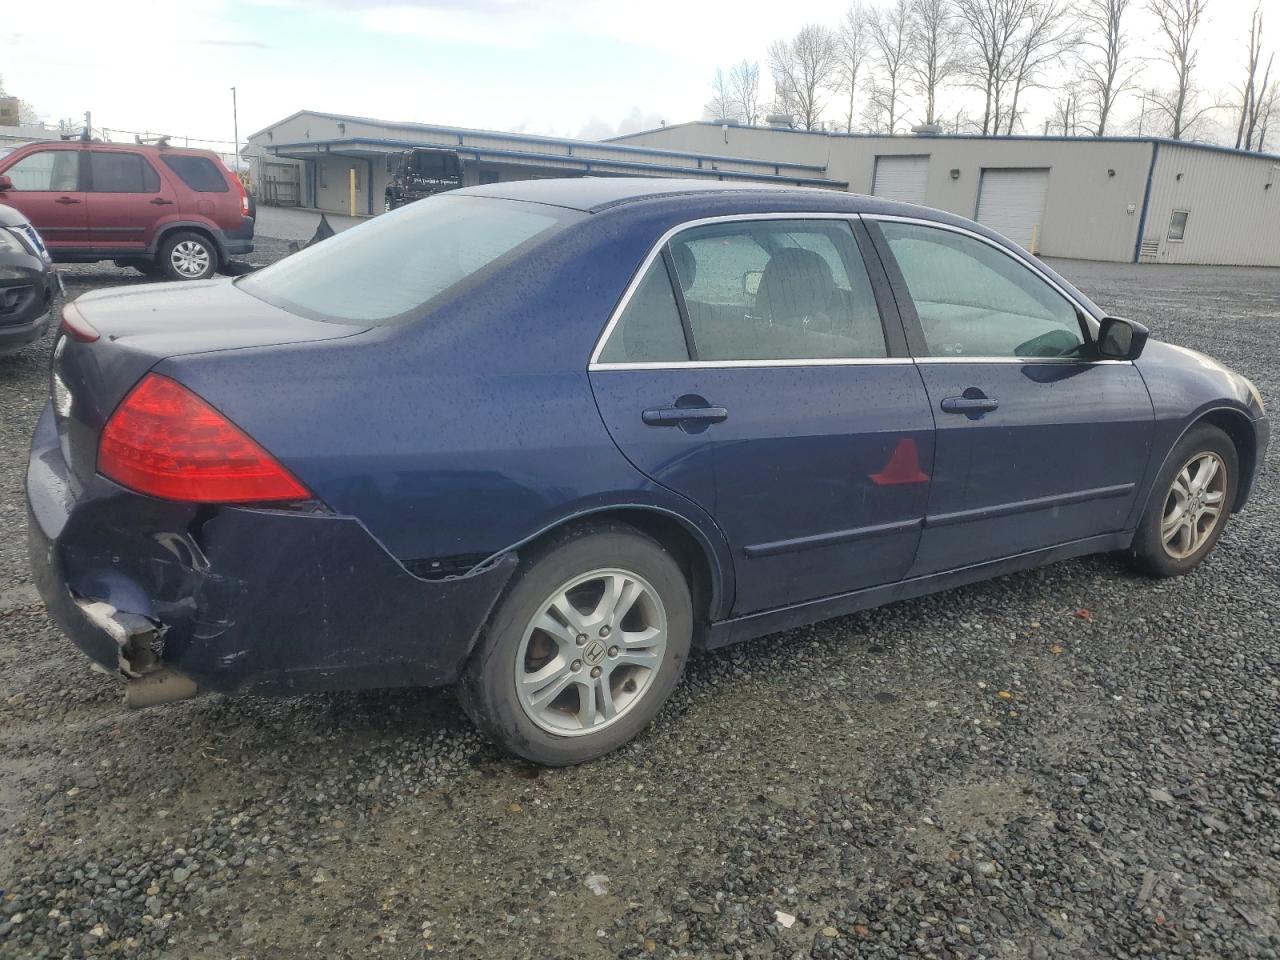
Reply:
x=591, y=652
x=190, y=258
x=1194, y=505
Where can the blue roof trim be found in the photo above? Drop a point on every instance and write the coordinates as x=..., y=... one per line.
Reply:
x=916, y=138
x=583, y=163
x=538, y=138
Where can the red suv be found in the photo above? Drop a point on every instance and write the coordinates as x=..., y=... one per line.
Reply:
x=166, y=211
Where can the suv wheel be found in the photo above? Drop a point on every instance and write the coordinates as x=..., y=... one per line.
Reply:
x=188, y=256
x=584, y=649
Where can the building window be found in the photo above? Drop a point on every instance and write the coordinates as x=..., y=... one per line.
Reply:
x=1178, y=226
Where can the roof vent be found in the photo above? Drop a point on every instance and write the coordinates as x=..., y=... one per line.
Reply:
x=780, y=121
x=927, y=130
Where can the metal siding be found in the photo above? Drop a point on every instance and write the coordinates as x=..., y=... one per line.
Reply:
x=1011, y=202
x=902, y=178
x=1233, y=217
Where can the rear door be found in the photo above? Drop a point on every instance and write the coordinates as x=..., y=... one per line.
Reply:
x=765, y=387
x=1038, y=442
x=126, y=199
x=47, y=188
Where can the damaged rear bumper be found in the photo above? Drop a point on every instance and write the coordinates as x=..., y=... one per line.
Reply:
x=234, y=598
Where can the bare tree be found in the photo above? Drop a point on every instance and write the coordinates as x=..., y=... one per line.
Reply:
x=990, y=27
x=935, y=50
x=854, y=49
x=803, y=68
x=1268, y=109
x=1047, y=32
x=1104, y=70
x=1066, y=112
x=744, y=90
x=1252, y=90
x=1178, y=21
x=891, y=45
x=721, y=106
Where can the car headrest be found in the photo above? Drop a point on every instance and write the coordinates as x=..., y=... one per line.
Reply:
x=796, y=283
x=686, y=265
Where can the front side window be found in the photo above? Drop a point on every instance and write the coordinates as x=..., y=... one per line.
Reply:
x=777, y=290
x=975, y=301
x=388, y=269
x=50, y=170
x=112, y=172
x=1178, y=225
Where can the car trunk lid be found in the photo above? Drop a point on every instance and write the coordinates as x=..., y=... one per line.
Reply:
x=137, y=327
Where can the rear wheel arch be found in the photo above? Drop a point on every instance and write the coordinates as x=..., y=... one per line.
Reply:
x=689, y=546
x=184, y=226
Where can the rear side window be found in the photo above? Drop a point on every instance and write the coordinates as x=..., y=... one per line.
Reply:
x=199, y=173
x=54, y=170
x=388, y=269
x=649, y=330
x=777, y=290
x=111, y=172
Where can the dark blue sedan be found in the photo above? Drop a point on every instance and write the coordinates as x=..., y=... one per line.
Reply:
x=544, y=439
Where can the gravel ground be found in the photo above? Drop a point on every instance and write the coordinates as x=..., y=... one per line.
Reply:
x=1072, y=762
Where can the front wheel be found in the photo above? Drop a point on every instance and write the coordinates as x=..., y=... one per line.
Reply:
x=188, y=256
x=587, y=645
x=1189, y=504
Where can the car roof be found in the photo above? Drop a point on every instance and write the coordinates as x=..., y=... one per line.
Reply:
x=593, y=194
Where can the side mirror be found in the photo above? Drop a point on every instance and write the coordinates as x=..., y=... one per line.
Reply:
x=1121, y=339
x=5, y=182
x=751, y=282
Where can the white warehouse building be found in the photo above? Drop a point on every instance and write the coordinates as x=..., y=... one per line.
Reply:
x=1123, y=199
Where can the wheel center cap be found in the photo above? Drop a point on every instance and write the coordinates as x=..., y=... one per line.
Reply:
x=595, y=653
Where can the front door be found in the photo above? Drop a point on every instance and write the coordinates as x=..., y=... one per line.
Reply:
x=127, y=197
x=47, y=189
x=763, y=386
x=1038, y=442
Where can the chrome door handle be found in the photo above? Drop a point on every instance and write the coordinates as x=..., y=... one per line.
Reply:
x=674, y=416
x=969, y=404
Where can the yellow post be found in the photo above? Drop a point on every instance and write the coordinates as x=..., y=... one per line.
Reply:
x=1035, y=233
x=352, y=178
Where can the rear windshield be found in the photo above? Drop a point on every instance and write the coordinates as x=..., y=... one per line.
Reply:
x=199, y=173
x=386, y=270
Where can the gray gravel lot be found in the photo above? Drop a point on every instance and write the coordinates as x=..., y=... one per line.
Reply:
x=1072, y=762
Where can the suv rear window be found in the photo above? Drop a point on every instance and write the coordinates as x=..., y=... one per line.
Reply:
x=388, y=269
x=121, y=173
x=199, y=173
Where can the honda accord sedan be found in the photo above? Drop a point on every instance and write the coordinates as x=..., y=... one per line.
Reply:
x=542, y=440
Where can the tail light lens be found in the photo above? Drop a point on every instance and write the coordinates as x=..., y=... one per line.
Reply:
x=244, y=197
x=165, y=441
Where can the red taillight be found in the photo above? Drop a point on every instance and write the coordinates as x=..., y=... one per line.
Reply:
x=244, y=197
x=166, y=442
x=76, y=326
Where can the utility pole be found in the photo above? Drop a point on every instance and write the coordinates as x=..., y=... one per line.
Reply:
x=235, y=125
x=88, y=125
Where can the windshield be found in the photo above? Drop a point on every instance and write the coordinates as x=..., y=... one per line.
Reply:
x=386, y=270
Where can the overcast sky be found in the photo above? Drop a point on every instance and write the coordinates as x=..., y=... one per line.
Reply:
x=567, y=67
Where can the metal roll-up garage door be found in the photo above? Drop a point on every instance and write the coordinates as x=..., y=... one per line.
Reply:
x=1011, y=202
x=901, y=178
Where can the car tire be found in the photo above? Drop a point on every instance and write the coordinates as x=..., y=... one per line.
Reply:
x=188, y=256
x=1189, y=503
x=573, y=670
